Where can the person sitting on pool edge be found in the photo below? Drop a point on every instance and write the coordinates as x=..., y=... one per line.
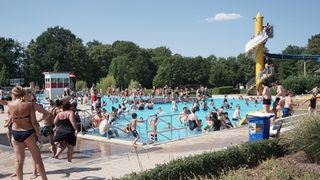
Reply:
x=106, y=131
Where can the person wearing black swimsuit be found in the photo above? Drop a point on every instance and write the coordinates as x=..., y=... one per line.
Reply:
x=193, y=121
x=66, y=130
x=312, y=103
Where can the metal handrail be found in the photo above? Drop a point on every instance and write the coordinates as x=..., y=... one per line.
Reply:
x=171, y=129
x=287, y=121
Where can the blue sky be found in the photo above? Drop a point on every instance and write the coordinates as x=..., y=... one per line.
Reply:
x=187, y=27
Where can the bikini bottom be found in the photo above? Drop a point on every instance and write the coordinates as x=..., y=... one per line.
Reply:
x=21, y=136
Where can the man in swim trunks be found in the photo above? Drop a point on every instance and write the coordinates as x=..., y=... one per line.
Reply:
x=266, y=96
x=93, y=93
x=288, y=105
x=133, y=126
x=281, y=92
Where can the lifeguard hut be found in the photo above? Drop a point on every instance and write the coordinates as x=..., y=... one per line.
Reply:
x=55, y=82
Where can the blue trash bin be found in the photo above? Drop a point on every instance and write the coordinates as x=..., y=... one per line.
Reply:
x=259, y=125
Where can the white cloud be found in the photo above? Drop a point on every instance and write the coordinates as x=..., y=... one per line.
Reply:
x=224, y=17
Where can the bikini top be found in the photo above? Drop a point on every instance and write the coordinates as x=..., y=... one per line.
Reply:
x=20, y=117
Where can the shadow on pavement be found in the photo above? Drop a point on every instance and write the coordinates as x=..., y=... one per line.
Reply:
x=68, y=172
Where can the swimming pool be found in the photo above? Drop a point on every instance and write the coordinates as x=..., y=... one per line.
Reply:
x=176, y=130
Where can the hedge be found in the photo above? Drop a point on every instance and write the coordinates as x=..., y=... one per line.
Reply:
x=225, y=90
x=214, y=164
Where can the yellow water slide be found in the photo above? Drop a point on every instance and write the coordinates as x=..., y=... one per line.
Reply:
x=255, y=46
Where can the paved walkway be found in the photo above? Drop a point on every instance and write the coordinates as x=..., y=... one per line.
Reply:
x=117, y=165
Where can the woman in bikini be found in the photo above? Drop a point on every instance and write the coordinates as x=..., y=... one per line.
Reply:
x=25, y=131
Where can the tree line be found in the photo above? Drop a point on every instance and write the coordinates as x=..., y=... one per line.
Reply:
x=59, y=50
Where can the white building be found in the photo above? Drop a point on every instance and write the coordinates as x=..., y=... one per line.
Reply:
x=55, y=82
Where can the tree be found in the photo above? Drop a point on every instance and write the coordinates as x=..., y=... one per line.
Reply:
x=106, y=82
x=55, y=44
x=219, y=75
x=12, y=56
x=313, y=46
x=77, y=61
x=100, y=56
x=126, y=48
x=291, y=66
x=4, y=76
x=119, y=69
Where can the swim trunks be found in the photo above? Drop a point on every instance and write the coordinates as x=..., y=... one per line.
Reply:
x=286, y=112
x=154, y=137
x=47, y=130
x=266, y=101
x=134, y=133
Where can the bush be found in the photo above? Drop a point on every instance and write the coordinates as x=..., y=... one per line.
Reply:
x=106, y=82
x=305, y=137
x=225, y=90
x=213, y=164
x=81, y=85
x=133, y=84
x=301, y=84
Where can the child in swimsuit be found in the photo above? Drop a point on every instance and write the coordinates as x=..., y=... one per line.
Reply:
x=133, y=126
x=153, y=133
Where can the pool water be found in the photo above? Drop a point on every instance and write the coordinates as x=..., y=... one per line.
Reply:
x=168, y=116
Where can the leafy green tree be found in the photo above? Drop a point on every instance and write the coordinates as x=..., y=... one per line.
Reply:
x=290, y=66
x=12, y=56
x=133, y=84
x=4, y=76
x=78, y=60
x=246, y=69
x=106, y=82
x=219, y=75
x=163, y=75
x=159, y=54
x=119, y=69
x=57, y=67
x=126, y=48
x=81, y=85
x=313, y=46
x=55, y=44
x=101, y=57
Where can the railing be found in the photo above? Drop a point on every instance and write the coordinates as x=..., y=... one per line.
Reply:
x=286, y=123
x=170, y=128
x=86, y=122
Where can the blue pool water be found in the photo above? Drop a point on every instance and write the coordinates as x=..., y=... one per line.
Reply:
x=165, y=117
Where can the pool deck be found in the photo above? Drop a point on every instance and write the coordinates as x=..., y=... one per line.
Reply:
x=117, y=165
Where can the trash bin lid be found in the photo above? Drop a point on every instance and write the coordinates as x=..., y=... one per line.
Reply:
x=261, y=114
